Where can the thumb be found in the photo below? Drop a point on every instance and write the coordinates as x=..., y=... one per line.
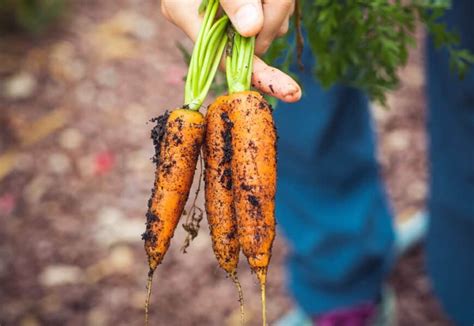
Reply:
x=245, y=15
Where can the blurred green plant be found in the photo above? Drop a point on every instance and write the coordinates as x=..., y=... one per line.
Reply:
x=32, y=16
x=363, y=43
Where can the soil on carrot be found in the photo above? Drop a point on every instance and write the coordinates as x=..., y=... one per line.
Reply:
x=75, y=173
x=157, y=134
x=227, y=136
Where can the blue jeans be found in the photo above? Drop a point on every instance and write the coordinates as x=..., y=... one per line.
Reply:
x=331, y=204
x=450, y=240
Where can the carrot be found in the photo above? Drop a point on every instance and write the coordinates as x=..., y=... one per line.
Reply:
x=178, y=137
x=253, y=162
x=254, y=179
x=218, y=190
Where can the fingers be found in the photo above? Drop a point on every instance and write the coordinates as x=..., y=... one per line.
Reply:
x=277, y=13
x=283, y=28
x=245, y=15
x=274, y=82
x=184, y=14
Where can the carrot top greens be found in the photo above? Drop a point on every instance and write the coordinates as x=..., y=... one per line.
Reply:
x=206, y=56
x=239, y=62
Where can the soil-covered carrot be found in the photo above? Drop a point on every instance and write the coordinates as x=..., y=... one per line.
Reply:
x=253, y=162
x=218, y=190
x=178, y=137
x=254, y=178
x=218, y=185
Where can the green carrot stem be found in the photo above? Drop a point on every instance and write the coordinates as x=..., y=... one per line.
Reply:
x=235, y=53
x=228, y=67
x=207, y=26
x=249, y=61
x=192, y=88
x=240, y=64
x=206, y=56
x=200, y=98
x=211, y=48
x=193, y=69
x=242, y=56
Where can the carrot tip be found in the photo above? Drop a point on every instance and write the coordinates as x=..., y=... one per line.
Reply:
x=235, y=279
x=264, y=305
x=262, y=278
x=148, y=294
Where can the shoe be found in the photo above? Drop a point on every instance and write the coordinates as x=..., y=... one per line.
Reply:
x=386, y=312
x=295, y=317
x=408, y=233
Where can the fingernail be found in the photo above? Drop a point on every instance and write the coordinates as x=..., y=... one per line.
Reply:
x=288, y=98
x=292, y=96
x=246, y=19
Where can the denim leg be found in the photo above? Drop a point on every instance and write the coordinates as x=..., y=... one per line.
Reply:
x=450, y=239
x=330, y=202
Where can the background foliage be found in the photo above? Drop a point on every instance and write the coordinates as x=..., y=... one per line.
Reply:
x=32, y=16
x=363, y=42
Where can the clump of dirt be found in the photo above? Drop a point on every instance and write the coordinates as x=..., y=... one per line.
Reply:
x=158, y=133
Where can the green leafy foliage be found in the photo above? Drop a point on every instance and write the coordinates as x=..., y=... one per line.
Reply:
x=363, y=43
x=32, y=16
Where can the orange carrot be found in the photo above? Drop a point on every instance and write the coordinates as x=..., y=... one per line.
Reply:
x=218, y=190
x=253, y=162
x=177, y=138
x=254, y=179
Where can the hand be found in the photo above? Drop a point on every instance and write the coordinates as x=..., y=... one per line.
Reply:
x=249, y=17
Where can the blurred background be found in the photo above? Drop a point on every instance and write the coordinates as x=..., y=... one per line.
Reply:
x=79, y=81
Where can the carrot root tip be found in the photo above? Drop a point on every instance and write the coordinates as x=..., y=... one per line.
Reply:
x=235, y=279
x=148, y=295
x=264, y=305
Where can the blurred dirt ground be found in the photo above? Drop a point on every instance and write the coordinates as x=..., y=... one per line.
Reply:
x=75, y=176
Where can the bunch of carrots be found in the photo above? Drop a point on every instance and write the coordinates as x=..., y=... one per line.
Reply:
x=238, y=142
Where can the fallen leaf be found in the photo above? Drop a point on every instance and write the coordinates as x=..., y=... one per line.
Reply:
x=42, y=127
x=7, y=162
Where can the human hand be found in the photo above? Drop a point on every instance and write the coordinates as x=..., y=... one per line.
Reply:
x=250, y=18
